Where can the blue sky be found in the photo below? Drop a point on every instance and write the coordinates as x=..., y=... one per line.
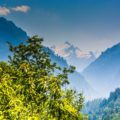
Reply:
x=89, y=24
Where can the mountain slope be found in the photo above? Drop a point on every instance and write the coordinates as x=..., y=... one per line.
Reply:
x=9, y=32
x=104, y=73
x=106, y=109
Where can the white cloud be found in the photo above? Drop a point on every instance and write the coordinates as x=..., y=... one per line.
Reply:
x=22, y=8
x=4, y=10
x=7, y=10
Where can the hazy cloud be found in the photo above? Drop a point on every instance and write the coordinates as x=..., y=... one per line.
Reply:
x=22, y=8
x=4, y=10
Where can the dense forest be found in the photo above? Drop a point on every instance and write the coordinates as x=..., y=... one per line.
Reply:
x=30, y=90
x=106, y=109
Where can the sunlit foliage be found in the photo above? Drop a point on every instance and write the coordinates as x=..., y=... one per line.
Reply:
x=30, y=88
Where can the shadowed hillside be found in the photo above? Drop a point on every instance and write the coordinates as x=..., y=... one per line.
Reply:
x=9, y=32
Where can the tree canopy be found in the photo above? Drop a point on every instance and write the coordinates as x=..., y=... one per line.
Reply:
x=30, y=88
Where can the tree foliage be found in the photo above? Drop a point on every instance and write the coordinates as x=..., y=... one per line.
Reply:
x=31, y=90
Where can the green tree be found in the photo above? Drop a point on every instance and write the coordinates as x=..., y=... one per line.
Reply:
x=30, y=88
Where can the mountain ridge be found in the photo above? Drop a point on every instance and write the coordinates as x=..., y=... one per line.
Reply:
x=9, y=32
x=105, y=71
x=76, y=79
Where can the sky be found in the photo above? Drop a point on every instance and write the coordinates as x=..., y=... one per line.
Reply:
x=91, y=25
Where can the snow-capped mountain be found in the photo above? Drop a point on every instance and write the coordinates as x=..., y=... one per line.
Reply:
x=80, y=59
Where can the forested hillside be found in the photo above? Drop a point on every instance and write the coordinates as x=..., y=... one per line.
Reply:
x=106, y=109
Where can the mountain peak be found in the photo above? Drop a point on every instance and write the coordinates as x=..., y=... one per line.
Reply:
x=10, y=32
x=74, y=55
x=67, y=43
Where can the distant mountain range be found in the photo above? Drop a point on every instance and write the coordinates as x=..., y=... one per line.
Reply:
x=98, y=79
x=79, y=58
x=104, y=73
x=10, y=32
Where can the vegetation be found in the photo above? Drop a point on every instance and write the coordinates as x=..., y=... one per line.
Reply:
x=107, y=109
x=31, y=90
x=91, y=108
